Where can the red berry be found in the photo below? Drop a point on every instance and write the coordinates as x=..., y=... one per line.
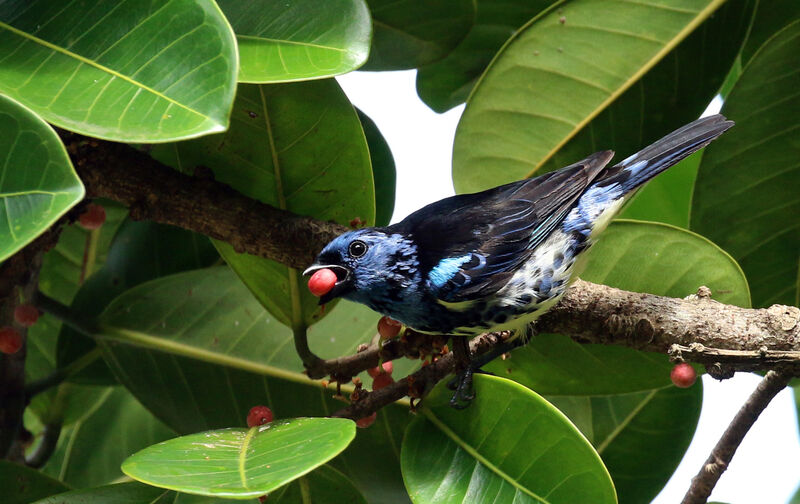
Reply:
x=321, y=282
x=259, y=415
x=388, y=368
x=388, y=328
x=366, y=421
x=26, y=315
x=10, y=340
x=382, y=380
x=683, y=375
x=93, y=217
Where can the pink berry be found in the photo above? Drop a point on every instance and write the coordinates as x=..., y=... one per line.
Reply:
x=26, y=315
x=683, y=375
x=388, y=368
x=382, y=380
x=10, y=340
x=321, y=282
x=388, y=328
x=93, y=217
x=365, y=422
x=259, y=415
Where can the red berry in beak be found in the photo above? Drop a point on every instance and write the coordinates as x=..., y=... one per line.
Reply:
x=321, y=282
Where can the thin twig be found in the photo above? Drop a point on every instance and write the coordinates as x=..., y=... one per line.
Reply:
x=723, y=452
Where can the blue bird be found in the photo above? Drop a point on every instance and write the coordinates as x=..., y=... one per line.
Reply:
x=497, y=259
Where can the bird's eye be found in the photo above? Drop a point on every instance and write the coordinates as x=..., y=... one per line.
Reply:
x=358, y=248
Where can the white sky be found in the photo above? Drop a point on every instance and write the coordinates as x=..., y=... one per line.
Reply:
x=766, y=468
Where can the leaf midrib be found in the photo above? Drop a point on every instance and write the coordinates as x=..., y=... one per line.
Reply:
x=98, y=66
x=625, y=422
x=480, y=458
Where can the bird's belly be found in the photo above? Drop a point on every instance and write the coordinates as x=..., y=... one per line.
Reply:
x=536, y=286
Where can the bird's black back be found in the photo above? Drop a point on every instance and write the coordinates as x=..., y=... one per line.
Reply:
x=499, y=226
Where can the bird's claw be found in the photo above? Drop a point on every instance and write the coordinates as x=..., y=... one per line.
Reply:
x=464, y=392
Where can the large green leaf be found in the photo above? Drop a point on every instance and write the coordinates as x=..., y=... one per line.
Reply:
x=79, y=253
x=299, y=40
x=37, y=182
x=110, y=429
x=198, y=350
x=123, y=493
x=411, y=33
x=121, y=70
x=747, y=195
x=22, y=485
x=446, y=83
x=640, y=257
x=641, y=436
x=509, y=445
x=770, y=17
x=383, y=170
x=324, y=484
x=298, y=147
x=587, y=76
x=242, y=462
x=141, y=251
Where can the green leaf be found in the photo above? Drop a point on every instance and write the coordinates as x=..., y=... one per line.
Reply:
x=324, y=484
x=78, y=253
x=510, y=444
x=141, y=251
x=62, y=267
x=22, y=485
x=747, y=195
x=301, y=40
x=111, y=70
x=198, y=350
x=412, y=33
x=298, y=147
x=242, y=462
x=446, y=83
x=641, y=436
x=37, y=182
x=589, y=75
x=90, y=451
x=122, y=493
x=769, y=18
x=640, y=257
x=383, y=170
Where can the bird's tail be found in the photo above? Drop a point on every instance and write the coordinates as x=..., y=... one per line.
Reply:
x=637, y=169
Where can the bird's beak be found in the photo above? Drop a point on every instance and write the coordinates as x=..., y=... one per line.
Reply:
x=344, y=278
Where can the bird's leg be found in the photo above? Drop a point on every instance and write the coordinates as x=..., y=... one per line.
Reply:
x=462, y=383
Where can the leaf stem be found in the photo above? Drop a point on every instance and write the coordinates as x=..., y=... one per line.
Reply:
x=61, y=374
x=65, y=314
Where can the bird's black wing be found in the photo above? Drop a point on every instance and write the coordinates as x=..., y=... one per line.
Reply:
x=470, y=245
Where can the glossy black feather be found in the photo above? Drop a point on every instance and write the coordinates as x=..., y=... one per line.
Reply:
x=499, y=227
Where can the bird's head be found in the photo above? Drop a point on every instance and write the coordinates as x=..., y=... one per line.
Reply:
x=365, y=263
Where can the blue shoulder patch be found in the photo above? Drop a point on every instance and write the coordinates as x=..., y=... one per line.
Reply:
x=446, y=269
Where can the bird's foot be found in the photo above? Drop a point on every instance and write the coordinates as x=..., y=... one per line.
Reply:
x=462, y=385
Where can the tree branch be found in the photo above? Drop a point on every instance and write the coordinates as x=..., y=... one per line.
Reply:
x=158, y=193
x=723, y=452
x=588, y=313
